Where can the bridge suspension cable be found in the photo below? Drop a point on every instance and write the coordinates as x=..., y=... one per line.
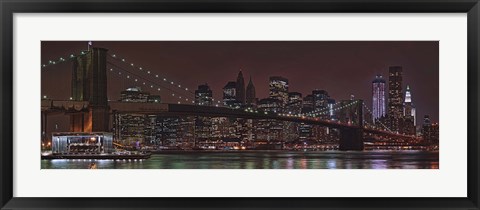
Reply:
x=322, y=111
x=383, y=125
x=335, y=109
x=149, y=73
x=175, y=86
x=147, y=83
x=62, y=59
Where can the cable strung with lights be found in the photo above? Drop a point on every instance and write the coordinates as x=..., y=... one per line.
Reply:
x=62, y=60
x=328, y=110
x=322, y=111
x=148, y=72
x=169, y=82
x=123, y=74
x=370, y=112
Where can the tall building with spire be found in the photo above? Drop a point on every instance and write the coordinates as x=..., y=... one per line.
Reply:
x=378, y=98
x=409, y=108
x=409, y=116
x=395, y=97
x=240, y=87
x=250, y=96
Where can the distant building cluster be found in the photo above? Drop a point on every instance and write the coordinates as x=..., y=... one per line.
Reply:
x=236, y=133
x=400, y=115
x=169, y=131
x=133, y=128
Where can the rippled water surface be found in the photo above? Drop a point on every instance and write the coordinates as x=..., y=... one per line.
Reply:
x=265, y=160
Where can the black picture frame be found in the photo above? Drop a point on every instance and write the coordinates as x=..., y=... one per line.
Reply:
x=10, y=7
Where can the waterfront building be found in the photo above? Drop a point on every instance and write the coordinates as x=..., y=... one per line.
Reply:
x=294, y=107
x=152, y=136
x=220, y=128
x=82, y=143
x=305, y=131
x=279, y=89
x=268, y=129
x=185, y=132
x=323, y=135
x=150, y=131
x=203, y=125
x=204, y=95
x=430, y=131
x=203, y=128
x=131, y=129
x=167, y=128
x=395, y=97
x=378, y=98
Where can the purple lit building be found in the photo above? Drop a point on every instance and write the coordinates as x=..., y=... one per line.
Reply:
x=378, y=95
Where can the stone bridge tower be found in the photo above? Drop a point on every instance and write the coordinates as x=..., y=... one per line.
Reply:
x=89, y=83
x=351, y=138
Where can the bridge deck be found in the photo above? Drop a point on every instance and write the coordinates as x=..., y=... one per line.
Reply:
x=207, y=111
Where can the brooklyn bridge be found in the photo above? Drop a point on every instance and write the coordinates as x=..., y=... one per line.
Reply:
x=89, y=109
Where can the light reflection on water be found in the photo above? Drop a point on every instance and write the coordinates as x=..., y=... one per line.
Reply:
x=265, y=160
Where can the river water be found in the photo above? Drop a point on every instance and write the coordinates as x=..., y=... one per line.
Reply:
x=265, y=160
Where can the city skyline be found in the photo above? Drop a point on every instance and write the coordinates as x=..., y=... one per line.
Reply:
x=425, y=101
x=119, y=109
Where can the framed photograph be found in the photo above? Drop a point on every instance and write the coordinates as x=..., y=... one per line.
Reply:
x=239, y=105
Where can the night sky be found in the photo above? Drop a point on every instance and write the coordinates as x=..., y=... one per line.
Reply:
x=342, y=68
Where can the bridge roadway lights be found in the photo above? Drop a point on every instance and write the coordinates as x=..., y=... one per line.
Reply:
x=351, y=139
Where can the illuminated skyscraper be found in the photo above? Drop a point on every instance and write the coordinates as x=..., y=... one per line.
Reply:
x=240, y=87
x=294, y=105
x=409, y=118
x=307, y=105
x=134, y=94
x=230, y=95
x=330, y=104
x=409, y=108
x=203, y=125
x=269, y=129
x=279, y=89
x=250, y=96
x=430, y=131
x=395, y=97
x=320, y=99
x=132, y=127
x=203, y=95
x=378, y=97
